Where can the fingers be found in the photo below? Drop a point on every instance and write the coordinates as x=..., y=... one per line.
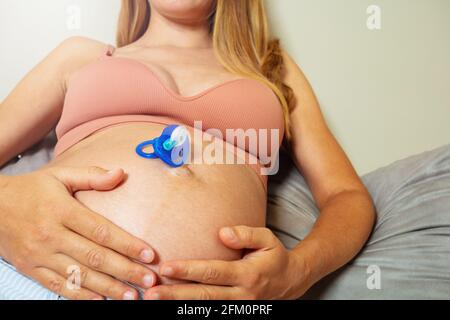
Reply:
x=107, y=261
x=192, y=292
x=92, y=280
x=92, y=225
x=105, y=233
x=204, y=271
x=88, y=178
x=59, y=285
x=243, y=237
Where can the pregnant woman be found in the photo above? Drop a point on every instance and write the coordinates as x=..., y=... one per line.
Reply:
x=191, y=232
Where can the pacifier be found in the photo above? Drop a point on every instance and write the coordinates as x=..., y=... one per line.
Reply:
x=172, y=146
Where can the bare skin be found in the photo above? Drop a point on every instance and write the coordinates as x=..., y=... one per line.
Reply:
x=168, y=207
x=178, y=49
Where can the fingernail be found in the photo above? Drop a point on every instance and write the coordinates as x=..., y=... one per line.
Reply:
x=148, y=280
x=98, y=298
x=167, y=271
x=154, y=296
x=146, y=255
x=129, y=295
x=111, y=172
x=229, y=233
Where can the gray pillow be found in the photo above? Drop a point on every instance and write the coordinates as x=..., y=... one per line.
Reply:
x=408, y=251
x=409, y=248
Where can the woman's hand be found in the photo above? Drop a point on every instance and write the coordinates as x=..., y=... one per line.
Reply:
x=269, y=271
x=46, y=233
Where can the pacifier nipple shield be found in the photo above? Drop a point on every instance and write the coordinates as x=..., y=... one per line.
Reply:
x=172, y=146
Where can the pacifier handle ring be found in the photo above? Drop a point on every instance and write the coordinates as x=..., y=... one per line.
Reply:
x=165, y=149
x=140, y=149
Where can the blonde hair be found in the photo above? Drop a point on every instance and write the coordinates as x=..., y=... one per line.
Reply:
x=241, y=41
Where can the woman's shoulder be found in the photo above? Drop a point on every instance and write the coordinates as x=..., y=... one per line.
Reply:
x=75, y=52
x=81, y=41
x=81, y=48
x=293, y=75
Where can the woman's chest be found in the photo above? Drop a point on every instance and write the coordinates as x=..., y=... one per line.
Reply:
x=186, y=74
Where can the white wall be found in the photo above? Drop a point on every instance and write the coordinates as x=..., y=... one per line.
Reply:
x=29, y=29
x=385, y=93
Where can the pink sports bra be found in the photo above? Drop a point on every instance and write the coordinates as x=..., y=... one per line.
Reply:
x=114, y=90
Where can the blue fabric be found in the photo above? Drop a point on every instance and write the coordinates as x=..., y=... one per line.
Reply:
x=15, y=286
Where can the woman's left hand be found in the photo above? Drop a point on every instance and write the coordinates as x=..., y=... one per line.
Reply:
x=268, y=271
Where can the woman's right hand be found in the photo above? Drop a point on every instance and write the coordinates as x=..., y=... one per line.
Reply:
x=47, y=234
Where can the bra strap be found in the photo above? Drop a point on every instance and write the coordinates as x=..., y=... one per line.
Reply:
x=109, y=50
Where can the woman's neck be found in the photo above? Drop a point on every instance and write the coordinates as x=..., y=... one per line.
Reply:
x=170, y=33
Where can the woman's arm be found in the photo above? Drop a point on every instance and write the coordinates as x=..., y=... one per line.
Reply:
x=34, y=106
x=269, y=270
x=44, y=231
x=346, y=209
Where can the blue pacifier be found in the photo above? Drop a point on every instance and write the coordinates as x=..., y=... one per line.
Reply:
x=172, y=146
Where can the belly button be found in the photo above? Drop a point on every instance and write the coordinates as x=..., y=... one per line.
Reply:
x=183, y=171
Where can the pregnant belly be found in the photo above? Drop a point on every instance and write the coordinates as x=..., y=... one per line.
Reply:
x=178, y=211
